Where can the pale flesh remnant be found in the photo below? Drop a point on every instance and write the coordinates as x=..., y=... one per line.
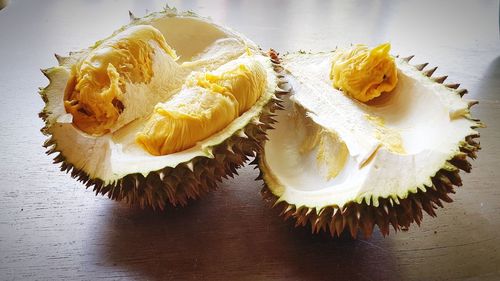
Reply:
x=388, y=137
x=326, y=142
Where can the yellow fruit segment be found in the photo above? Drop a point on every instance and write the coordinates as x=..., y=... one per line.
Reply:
x=239, y=82
x=207, y=103
x=95, y=90
x=190, y=116
x=362, y=73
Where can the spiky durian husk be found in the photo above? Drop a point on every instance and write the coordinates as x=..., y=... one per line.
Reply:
x=399, y=213
x=187, y=180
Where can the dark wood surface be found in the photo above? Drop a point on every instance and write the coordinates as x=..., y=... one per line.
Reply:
x=52, y=228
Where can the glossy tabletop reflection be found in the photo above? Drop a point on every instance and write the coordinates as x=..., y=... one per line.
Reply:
x=52, y=228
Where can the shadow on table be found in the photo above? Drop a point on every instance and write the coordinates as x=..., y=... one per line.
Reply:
x=232, y=235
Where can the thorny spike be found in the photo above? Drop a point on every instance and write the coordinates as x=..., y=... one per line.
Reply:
x=131, y=16
x=453, y=86
x=407, y=59
x=429, y=72
x=471, y=103
x=45, y=72
x=420, y=67
x=60, y=59
x=462, y=92
x=440, y=79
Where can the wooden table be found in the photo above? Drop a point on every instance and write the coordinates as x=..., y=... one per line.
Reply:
x=52, y=228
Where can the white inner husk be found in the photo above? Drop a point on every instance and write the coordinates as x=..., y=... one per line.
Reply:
x=428, y=118
x=200, y=45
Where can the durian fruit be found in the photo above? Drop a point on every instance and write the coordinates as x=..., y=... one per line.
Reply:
x=162, y=110
x=366, y=139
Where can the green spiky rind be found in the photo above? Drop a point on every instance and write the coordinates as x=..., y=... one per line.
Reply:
x=188, y=180
x=398, y=212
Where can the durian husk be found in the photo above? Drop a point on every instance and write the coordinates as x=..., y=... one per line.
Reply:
x=399, y=213
x=188, y=180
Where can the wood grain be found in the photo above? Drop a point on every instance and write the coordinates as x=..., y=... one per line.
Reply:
x=52, y=228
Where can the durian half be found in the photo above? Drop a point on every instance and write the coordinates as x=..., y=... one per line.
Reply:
x=161, y=110
x=337, y=163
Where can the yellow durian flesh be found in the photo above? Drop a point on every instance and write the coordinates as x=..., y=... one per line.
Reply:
x=245, y=82
x=96, y=87
x=207, y=103
x=362, y=73
x=190, y=116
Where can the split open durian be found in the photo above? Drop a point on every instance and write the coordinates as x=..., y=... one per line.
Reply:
x=170, y=104
x=161, y=110
x=365, y=140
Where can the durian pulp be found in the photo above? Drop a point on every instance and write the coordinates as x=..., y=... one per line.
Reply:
x=207, y=103
x=364, y=73
x=423, y=117
x=202, y=47
x=95, y=92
